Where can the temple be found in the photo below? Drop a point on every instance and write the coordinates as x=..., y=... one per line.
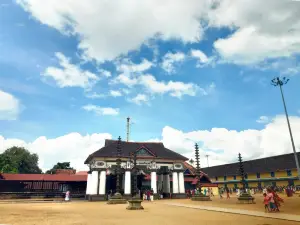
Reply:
x=159, y=168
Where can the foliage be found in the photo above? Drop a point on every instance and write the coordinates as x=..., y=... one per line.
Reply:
x=63, y=165
x=19, y=160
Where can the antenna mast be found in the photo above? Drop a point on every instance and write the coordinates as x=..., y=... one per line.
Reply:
x=207, y=160
x=128, y=128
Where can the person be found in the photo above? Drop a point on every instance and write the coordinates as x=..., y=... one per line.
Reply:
x=271, y=200
x=227, y=193
x=67, y=197
x=205, y=191
x=151, y=195
x=266, y=202
x=220, y=193
x=277, y=200
x=211, y=193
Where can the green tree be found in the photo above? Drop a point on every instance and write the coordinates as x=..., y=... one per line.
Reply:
x=60, y=166
x=19, y=160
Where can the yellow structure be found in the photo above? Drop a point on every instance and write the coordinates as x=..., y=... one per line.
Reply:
x=278, y=171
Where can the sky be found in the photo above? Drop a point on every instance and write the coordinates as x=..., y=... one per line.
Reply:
x=185, y=72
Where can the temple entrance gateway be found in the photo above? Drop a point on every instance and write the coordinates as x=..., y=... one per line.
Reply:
x=159, y=169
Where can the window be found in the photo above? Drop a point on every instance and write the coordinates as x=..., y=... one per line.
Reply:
x=216, y=178
x=246, y=176
x=234, y=177
x=225, y=177
x=289, y=173
x=272, y=174
x=257, y=175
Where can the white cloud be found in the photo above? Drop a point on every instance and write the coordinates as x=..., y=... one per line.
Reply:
x=224, y=145
x=170, y=59
x=174, y=88
x=140, y=99
x=115, y=93
x=263, y=119
x=105, y=73
x=201, y=57
x=151, y=85
x=221, y=144
x=9, y=106
x=262, y=29
x=94, y=95
x=72, y=147
x=127, y=66
x=101, y=111
x=120, y=26
x=70, y=75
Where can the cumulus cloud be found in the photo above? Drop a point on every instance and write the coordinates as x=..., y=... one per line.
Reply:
x=202, y=59
x=140, y=99
x=262, y=29
x=9, y=106
x=72, y=147
x=170, y=59
x=123, y=26
x=101, y=111
x=221, y=144
x=263, y=119
x=153, y=86
x=70, y=75
x=115, y=93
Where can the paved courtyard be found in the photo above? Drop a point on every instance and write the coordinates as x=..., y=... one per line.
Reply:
x=158, y=212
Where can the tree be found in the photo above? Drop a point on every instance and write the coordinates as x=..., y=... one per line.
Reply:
x=19, y=160
x=60, y=166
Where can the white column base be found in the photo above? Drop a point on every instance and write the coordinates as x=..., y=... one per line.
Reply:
x=102, y=184
x=175, y=182
x=153, y=182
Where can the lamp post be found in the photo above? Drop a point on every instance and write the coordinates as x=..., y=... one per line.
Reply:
x=280, y=82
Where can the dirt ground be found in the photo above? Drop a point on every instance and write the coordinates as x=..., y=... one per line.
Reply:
x=290, y=206
x=90, y=213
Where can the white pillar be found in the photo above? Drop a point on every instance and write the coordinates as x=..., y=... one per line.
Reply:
x=166, y=184
x=88, y=184
x=181, y=183
x=127, y=190
x=175, y=182
x=160, y=182
x=102, y=182
x=94, y=185
x=153, y=182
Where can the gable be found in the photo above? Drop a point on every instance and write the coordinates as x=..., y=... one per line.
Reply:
x=143, y=151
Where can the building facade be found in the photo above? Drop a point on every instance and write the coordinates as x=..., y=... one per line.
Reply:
x=271, y=171
x=160, y=169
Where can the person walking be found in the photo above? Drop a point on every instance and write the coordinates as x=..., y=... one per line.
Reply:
x=266, y=202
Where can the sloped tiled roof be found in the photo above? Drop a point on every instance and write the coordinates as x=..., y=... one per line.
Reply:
x=269, y=164
x=157, y=148
x=43, y=177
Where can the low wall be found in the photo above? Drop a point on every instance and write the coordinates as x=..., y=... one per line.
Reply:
x=42, y=195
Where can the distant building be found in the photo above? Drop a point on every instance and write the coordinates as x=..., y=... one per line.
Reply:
x=277, y=170
x=159, y=168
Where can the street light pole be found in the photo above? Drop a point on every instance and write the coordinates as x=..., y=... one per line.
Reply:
x=280, y=82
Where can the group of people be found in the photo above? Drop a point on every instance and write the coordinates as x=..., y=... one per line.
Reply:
x=271, y=200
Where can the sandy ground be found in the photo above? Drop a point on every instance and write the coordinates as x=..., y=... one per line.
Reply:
x=88, y=213
x=290, y=206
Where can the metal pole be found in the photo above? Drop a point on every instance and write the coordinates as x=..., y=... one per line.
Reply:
x=291, y=135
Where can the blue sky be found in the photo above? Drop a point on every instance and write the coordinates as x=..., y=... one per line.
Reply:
x=230, y=89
